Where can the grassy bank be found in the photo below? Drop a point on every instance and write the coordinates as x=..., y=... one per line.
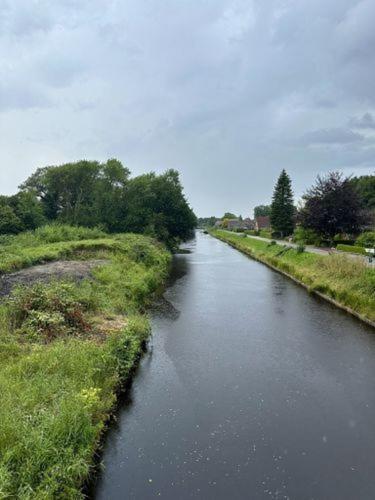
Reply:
x=349, y=282
x=65, y=349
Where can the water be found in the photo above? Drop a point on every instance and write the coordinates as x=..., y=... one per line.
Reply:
x=252, y=389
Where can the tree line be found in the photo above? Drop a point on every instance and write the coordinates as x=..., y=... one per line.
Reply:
x=334, y=205
x=95, y=194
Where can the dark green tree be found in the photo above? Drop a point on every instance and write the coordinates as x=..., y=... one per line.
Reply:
x=262, y=210
x=332, y=206
x=229, y=215
x=282, y=208
x=9, y=222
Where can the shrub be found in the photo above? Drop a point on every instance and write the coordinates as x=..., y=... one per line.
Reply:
x=366, y=239
x=42, y=313
x=300, y=248
x=351, y=249
x=306, y=236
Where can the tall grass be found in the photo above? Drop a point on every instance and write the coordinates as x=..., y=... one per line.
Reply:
x=61, y=364
x=349, y=281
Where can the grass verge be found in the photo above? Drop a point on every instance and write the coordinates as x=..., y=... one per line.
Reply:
x=349, y=282
x=65, y=350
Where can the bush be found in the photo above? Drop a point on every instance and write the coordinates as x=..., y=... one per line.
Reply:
x=351, y=249
x=306, y=236
x=300, y=248
x=42, y=313
x=366, y=239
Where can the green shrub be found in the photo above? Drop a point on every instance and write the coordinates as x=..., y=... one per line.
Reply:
x=300, y=248
x=366, y=239
x=351, y=249
x=306, y=236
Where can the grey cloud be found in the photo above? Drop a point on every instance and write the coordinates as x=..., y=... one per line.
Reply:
x=331, y=136
x=366, y=121
x=240, y=86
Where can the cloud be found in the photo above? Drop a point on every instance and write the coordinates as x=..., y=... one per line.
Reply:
x=221, y=89
x=331, y=136
x=366, y=121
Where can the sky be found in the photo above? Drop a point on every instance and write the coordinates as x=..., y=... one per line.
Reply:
x=228, y=92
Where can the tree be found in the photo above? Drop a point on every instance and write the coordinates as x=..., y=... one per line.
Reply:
x=332, y=206
x=84, y=193
x=262, y=210
x=9, y=222
x=229, y=215
x=282, y=208
x=365, y=187
x=155, y=204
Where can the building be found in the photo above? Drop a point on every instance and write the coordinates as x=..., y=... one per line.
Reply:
x=248, y=223
x=262, y=222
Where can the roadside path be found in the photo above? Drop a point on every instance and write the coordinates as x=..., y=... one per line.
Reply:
x=312, y=249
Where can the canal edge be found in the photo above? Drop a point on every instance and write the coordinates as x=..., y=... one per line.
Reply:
x=334, y=302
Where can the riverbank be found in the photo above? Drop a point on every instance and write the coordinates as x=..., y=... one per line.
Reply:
x=66, y=348
x=345, y=282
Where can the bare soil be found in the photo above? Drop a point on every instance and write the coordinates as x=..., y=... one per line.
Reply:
x=44, y=273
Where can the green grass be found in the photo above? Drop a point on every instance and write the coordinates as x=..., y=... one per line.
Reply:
x=348, y=281
x=351, y=249
x=65, y=349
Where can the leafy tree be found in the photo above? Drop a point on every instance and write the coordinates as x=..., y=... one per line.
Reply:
x=229, y=215
x=155, y=204
x=9, y=222
x=262, y=210
x=84, y=193
x=365, y=187
x=28, y=209
x=282, y=208
x=332, y=206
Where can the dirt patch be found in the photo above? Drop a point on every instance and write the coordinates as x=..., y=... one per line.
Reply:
x=44, y=273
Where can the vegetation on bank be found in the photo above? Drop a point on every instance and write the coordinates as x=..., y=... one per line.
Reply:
x=348, y=281
x=93, y=194
x=65, y=349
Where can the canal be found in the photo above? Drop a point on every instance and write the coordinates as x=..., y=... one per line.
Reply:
x=252, y=389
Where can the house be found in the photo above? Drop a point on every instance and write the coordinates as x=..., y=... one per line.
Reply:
x=262, y=222
x=218, y=223
x=248, y=223
x=233, y=224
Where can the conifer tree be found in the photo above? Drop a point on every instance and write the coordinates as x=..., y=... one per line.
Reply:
x=282, y=208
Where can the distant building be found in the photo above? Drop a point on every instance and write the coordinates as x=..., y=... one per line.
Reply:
x=218, y=223
x=262, y=222
x=248, y=223
x=233, y=224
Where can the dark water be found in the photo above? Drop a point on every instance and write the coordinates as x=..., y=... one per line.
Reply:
x=253, y=389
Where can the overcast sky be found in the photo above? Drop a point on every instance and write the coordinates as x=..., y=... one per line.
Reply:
x=227, y=92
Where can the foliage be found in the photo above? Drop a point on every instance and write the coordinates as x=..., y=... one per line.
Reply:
x=331, y=206
x=300, y=248
x=207, y=221
x=155, y=204
x=365, y=187
x=89, y=193
x=306, y=236
x=262, y=210
x=56, y=397
x=229, y=215
x=20, y=212
x=366, y=239
x=349, y=281
x=351, y=249
x=9, y=222
x=282, y=208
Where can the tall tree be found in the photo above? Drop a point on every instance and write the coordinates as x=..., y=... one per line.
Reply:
x=262, y=210
x=282, y=208
x=332, y=206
